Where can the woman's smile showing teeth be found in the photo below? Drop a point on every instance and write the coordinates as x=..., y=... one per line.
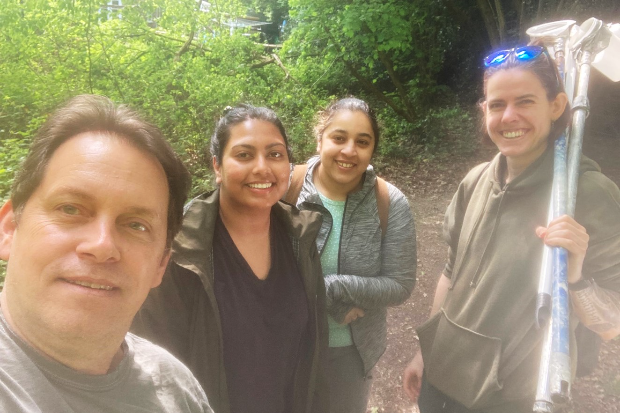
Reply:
x=513, y=134
x=345, y=164
x=261, y=186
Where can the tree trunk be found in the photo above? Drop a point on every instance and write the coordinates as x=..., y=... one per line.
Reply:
x=518, y=7
x=539, y=11
x=488, y=17
x=501, y=21
x=397, y=83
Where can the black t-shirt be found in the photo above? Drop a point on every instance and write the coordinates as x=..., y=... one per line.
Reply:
x=264, y=323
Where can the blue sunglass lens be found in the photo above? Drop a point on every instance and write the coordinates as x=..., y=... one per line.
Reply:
x=496, y=58
x=528, y=53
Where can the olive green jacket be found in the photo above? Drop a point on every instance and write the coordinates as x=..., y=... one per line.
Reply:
x=483, y=347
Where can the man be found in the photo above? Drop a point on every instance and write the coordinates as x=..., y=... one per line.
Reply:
x=86, y=235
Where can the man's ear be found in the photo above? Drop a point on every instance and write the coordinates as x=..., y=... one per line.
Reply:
x=162, y=268
x=218, y=173
x=7, y=229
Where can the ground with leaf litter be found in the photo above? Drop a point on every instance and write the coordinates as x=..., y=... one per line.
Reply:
x=429, y=188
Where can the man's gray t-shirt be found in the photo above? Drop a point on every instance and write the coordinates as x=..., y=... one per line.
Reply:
x=148, y=379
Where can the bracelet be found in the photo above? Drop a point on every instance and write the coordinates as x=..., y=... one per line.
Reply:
x=579, y=285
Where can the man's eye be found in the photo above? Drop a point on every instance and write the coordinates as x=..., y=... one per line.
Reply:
x=69, y=210
x=138, y=226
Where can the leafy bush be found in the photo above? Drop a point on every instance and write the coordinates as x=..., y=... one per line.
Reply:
x=447, y=130
x=181, y=66
x=12, y=153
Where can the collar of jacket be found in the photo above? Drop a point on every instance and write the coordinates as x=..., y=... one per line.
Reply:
x=369, y=180
x=537, y=173
x=540, y=172
x=192, y=247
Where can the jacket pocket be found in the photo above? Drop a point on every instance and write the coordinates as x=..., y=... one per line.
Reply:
x=459, y=362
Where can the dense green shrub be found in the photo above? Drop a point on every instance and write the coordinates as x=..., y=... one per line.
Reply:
x=181, y=66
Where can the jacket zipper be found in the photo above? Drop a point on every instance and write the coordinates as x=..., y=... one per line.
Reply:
x=344, y=214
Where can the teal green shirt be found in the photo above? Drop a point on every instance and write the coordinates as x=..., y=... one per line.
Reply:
x=339, y=334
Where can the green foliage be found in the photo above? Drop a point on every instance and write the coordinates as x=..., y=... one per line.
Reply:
x=442, y=131
x=389, y=51
x=178, y=65
x=12, y=153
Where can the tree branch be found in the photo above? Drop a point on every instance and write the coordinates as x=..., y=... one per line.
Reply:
x=185, y=46
x=397, y=83
x=279, y=63
x=377, y=93
x=262, y=63
x=114, y=75
x=269, y=46
x=275, y=60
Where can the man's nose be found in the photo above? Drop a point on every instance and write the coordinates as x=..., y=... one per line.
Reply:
x=99, y=242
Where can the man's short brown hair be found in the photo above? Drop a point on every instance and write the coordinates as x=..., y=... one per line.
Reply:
x=92, y=113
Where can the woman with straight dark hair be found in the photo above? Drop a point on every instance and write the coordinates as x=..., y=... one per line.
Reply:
x=242, y=302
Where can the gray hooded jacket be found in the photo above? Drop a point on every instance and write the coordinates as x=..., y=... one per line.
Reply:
x=373, y=273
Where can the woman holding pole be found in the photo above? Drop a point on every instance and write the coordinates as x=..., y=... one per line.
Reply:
x=242, y=302
x=366, y=241
x=481, y=348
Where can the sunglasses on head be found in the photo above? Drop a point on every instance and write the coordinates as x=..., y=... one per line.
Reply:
x=523, y=53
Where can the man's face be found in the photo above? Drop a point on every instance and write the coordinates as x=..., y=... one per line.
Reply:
x=89, y=244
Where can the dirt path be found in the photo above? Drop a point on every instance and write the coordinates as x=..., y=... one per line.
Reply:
x=429, y=192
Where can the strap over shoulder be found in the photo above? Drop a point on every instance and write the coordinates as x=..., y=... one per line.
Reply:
x=383, y=204
x=297, y=180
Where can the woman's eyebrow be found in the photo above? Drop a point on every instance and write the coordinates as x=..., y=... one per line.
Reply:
x=271, y=145
x=243, y=145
